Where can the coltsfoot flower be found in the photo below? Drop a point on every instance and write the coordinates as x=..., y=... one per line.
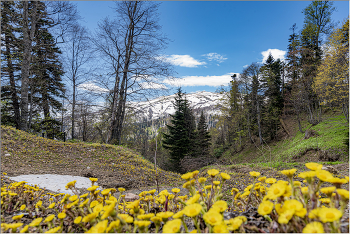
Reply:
x=221, y=228
x=35, y=222
x=192, y=210
x=53, y=230
x=343, y=193
x=220, y=205
x=254, y=173
x=329, y=214
x=213, y=172
x=289, y=173
x=233, y=224
x=225, y=176
x=265, y=208
x=213, y=217
x=172, y=226
x=313, y=166
x=313, y=227
x=324, y=175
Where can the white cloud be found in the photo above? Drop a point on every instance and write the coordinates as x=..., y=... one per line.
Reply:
x=201, y=80
x=276, y=54
x=91, y=86
x=215, y=56
x=182, y=60
x=245, y=66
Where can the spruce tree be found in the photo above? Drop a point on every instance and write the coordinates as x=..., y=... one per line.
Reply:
x=203, y=138
x=178, y=140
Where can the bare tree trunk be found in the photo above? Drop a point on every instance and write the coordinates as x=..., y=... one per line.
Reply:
x=345, y=111
x=73, y=110
x=28, y=35
x=299, y=123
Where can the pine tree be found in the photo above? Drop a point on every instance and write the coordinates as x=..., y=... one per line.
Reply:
x=202, y=137
x=178, y=140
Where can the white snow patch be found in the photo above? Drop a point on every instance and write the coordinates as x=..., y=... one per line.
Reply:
x=53, y=182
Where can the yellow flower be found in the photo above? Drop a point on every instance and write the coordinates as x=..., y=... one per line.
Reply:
x=292, y=205
x=179, y=214
x=193, y=199
x=325, y=200
x=25, y=229
x=98, y=208
x=73, y=198
x=225, y=176
x=216, y=182
x=313, y=166
x=343, y=193
x=187, y=184
x=329, y=214
x=262, y=179
x=307, y=174
x=84, y=203
x=175, y=190
x=22, y=207
x=145, y=216
x=213, y=217
x=313, y=227
x=276, y=190
x=89, y=217
x=289, y=173
x=192, y=210
x=126, y=218
x=122, y=190
x=313, y=214
x=99, y=228
x=221, y=228
x=213, y=172
x=93, y=204
x=202, y=180
x=254, y=173
x=324, y=175
x=38, y=204
x=233, y=224
x=78, y=219
x=265, y=208
x=157, y=219
x=142, y=223
x=17, y=217
x=187, y=176
x=112, y=225
x=71, y=184
x=92, y=188
x=305, y=190
x=286, y=216
x=337, y=181
x=49, y=218
x=13, y=226
x=53, y=230
x=208, y=187
x=35, y=222
x=105, y=192
x=84, y=195
x=52, y=205
x=270, y=180
x=61, y=215
x=220, y=205
x=172, y=226
x=93, y=179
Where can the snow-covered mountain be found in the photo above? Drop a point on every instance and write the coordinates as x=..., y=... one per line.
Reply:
x=163, y=106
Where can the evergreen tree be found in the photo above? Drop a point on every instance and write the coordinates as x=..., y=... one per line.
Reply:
x=202, y=137
x=178, y=140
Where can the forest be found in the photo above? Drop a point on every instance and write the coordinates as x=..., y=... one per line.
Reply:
x=47, y=56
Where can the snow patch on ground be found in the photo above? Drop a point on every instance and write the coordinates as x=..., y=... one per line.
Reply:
x=53, y=182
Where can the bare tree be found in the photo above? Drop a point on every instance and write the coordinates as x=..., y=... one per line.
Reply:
x=132, y=45
x=77, y=59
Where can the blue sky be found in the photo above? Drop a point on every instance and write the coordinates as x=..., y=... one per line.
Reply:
x=211, y=40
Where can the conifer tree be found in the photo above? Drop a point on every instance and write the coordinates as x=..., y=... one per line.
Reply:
x=202, y=137
x=178, y=140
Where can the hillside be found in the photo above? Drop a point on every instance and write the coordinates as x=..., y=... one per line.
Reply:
x=23, y=153
x=325, y=144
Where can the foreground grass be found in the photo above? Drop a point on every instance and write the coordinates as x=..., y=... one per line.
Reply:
x=280, y=206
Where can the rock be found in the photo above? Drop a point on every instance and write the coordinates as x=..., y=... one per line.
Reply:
x=131, y=197
x=330, y=169
x=6, y=155
x=87, y=173
x=328, y=156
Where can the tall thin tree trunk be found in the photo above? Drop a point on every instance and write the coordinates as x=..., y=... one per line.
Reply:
x=259, y=124
x=28, y=36
x=14, y=97
x=73, y=110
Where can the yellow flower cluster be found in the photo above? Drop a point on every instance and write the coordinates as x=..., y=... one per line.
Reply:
x=98, y=211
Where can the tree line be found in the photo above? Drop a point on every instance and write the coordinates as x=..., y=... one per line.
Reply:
x=50, y=64
x=314, y=77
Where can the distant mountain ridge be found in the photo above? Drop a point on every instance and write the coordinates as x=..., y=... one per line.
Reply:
x=161, y=107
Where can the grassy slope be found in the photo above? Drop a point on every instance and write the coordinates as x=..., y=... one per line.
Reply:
x=30, y=154
x=331, y=131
